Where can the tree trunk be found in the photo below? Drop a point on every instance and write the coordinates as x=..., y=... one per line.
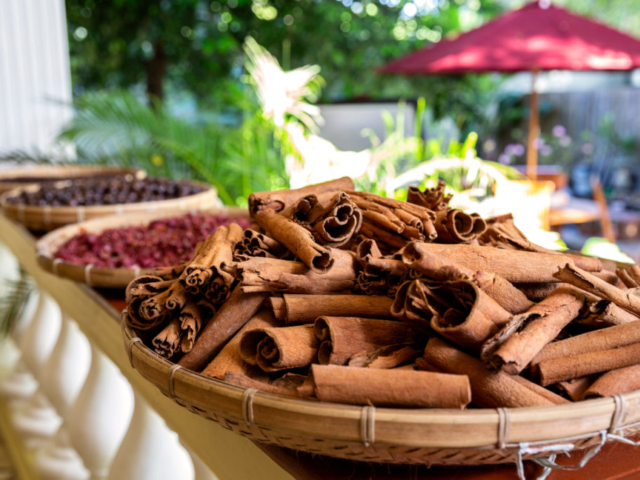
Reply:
x=156, y=68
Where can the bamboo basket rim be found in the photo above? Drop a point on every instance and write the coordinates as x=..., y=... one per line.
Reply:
x=48, y=217
x=48, y=245
x=416, y=428
x=57, y=172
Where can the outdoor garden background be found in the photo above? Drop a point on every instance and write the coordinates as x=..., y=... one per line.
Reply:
x=190, y=88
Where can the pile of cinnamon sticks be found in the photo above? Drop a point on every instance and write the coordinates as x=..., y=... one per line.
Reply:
x=344, y=296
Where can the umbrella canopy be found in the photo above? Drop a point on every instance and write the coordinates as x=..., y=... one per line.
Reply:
x=538, y=36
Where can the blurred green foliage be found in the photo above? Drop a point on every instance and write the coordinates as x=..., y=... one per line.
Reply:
x=196, y=46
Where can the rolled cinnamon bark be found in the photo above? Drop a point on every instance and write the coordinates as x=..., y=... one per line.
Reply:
x=274, y=275
x=192, y=317
x=177, y=298
x=543, y=392
x=432, y=198
x=297, y=239
x=153, y=311
x=342, y=337
x=629, y=276
x=168, y=273
x=390, y=388
x=597, y=340
x=167, y=342
x=541, y=267
x=411, y=306
x=596, y=286
x=244, y=381
x=576, y=387
x=255, y=244
x=489, y=389
x=332, y=224
x=402, y=220
x=385, y=357
x=528, y=333
x=204, y=272
x=566, y=368
x=297, y=309
x=615, y=382
x=465, y=314
x=374, y=263
x=456, y=226
x=239, y=308
x=536, y=292
x=280, y=199
x=274, y=349
x=604, y=313
x=437, y=267
x=229, y=358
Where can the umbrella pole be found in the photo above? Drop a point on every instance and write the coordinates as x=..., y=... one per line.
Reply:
x=534, y=127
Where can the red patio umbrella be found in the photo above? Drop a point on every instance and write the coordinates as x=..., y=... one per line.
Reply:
x=539, y=36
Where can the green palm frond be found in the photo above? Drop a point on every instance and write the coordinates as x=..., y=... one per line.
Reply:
x=12, y=303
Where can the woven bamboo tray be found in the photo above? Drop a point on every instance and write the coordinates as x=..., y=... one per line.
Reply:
x=386, y=435
x=58, y=172
x=48, y=245
x=49, y=218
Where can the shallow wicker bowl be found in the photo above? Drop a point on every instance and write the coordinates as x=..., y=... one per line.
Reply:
x=58, y=172
x=385, y=435
x=48, y=218
x=48, y=245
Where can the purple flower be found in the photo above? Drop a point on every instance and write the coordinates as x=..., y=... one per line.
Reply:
x=559, y=131
x=504, y=159
x=508, y=150
x=546, y=150
x=538, y=142
x=587, y=148
x=518, y=149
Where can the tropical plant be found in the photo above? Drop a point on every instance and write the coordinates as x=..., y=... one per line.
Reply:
x=12, y=303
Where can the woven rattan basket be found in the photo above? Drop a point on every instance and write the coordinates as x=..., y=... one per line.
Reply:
x=57, y=172
x=48, y=218
x=385, y=435
x=48, y=245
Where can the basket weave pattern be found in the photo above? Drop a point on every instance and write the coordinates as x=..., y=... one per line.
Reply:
x=397, y=436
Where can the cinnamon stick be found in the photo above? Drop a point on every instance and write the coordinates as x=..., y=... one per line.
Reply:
x=596, y=286
x=280, y=199
x=536, y=292
x=437, y=267
x=297, y=309
x=604, y=313
x=274, y=349
x=629, y=276
x=390, y=388
x=465, y=314
x=411, y=306
x=274, y=275
x=576, y=387
x=540, y=267
x=256, y=244
x=332, y=224
x=615, y=382
x=566, y=368
x=239, y=308
x=528, y=333
x=153, y=311
x=192, y=317
x=297, y=240
x=597, y=340
x=432, y=198
x=229, y=358
x=204, y=272
x=489, y=389
x=456, y=226
x=342, y=337
x=167, y=342
x=387, y=357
